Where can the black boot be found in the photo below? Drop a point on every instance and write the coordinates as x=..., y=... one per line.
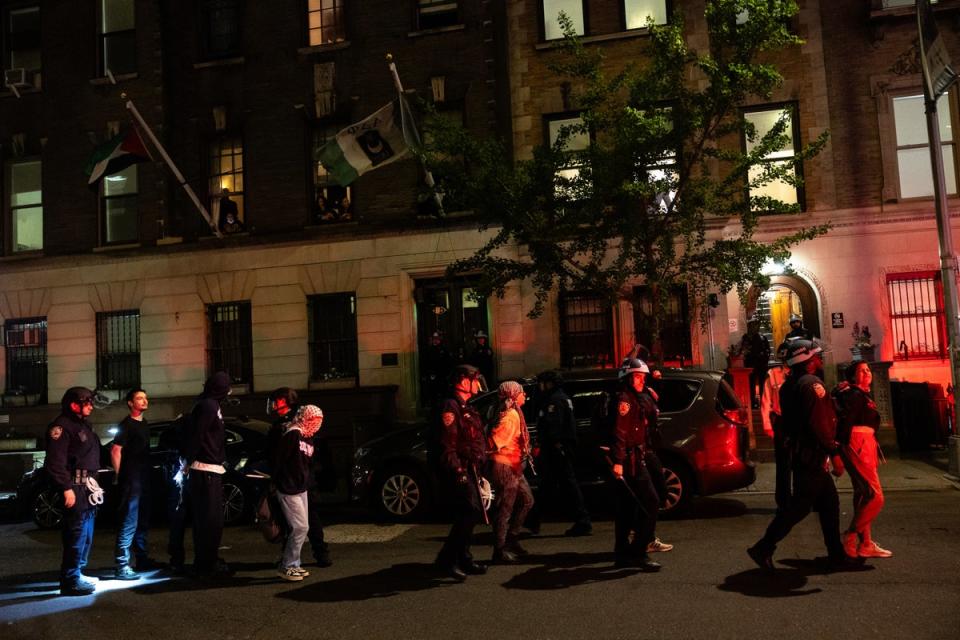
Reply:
x=504, y=556
x=762, y=556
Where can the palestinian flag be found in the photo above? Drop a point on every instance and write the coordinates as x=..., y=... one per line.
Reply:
x=115, y=156
x=383, y=137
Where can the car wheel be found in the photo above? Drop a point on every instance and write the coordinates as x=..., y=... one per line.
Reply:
x=234, y=503
x=679, y=485
x=402, y=494
x=48, y=509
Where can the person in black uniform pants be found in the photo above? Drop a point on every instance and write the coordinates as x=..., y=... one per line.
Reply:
x=204, y=453
x=557, y=435
x=810, y=425
x=462, y=454
x=636, y=498
x=71, y=463
x=283, y=404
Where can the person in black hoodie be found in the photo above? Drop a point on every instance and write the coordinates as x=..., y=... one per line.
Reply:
x=291, y=475
x=205, y=452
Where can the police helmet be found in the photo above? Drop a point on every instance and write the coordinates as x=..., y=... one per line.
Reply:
x=462, y=371
x=79, y=395
x=480, y=334
x=799, y=351
x=633, y=365
x=795, y=318
x=552, y=377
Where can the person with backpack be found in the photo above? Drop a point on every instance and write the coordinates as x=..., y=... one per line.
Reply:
x=509, y=446
x=291, y=476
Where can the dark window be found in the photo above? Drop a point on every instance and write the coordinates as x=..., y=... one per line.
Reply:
x=24, y=205
x=916, y=313
x=675, y=328
x=586, y=331
x=118, y=36
x=230, y=341
x=333, y=336
x=434, y=14
x=331, y=201
x=675, y=395
x=118, y=350
x=26, y=343
x=118, y=205
x=325, y=22
x=221, y=28
x=21, y=41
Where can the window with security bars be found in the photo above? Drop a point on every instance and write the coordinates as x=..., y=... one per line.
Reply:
x=25, y=340
x=675, y=323
x=586, y=331
x=333, y=336
x=221, y=28
x=118, y=350
x=916, y=315
x=230, y=341
x=325, y=20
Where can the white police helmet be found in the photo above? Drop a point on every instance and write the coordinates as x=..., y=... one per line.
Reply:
x=633, y=365
x=799, y=351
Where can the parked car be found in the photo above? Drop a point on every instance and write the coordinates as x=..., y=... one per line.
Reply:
x=246, y=442
x=705, y=447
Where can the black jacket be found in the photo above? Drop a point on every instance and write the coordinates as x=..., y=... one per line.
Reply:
x=462, y=441
x=71, y=445
x=556, y=422
x=810, y=419
x=291, y=463
x=636, y=415
x=206, y=440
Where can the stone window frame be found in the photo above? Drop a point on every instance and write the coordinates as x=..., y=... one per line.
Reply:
x=9, y=208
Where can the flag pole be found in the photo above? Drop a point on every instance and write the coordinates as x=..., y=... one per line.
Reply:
x=176, y=172
x=427, y=175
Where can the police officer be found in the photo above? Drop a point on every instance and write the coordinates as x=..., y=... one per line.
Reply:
x=797, y=330
x=72, y=460
x=810, y=427
x=462, y=454
x=636, y=498
x=482, y=358
x=435, y=367
x=557, y=434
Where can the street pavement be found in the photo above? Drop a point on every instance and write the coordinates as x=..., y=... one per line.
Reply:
x=383, y=585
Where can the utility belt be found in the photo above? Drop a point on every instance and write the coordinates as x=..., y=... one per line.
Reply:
x=86, y=484
x=80, y=476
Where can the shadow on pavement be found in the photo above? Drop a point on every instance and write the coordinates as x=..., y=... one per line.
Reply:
x=783, y=583
x=563, y=570
x=379, y=584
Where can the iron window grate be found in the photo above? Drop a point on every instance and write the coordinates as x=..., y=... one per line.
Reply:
x=230, y=341
x=118, y=350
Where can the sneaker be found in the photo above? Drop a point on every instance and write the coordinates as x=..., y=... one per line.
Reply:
x=658, y=546
x=761, y=556
x=302, y=571
x=850, y=542
x=79, y=588
x=579, y=529
x=125, y=573
x=873, y=550
x=290, y=574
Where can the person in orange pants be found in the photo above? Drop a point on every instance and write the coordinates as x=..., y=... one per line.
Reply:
x=857, y=431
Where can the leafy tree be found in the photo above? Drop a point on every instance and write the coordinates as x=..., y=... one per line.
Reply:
x=657, y=170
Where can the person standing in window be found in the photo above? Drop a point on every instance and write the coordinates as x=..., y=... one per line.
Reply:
x=229, y=215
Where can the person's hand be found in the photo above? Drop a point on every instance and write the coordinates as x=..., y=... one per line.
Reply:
x=618, y=471
x=69, y=498
x=837, y=463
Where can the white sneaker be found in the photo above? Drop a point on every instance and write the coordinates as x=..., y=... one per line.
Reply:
x=873, y=550
x=290, y=574
x=658, y=545
x=301, y=571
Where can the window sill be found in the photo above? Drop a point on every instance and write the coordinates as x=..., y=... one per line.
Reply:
x=428, y=32
x=911, y=10
x=607, y=37
x=239, y=389
x=339, y=224
x=116, y=247
x=323, y=48
x=119, y=77
x=169, y=240
x=22, y=255
x=224, y=62
x=226, y=236
x=22, y=90
x=341, y=383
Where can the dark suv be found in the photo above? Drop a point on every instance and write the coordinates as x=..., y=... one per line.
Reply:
x=705, y=446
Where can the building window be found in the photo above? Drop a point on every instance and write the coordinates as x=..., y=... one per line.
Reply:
x=435, y=14
x=913, y=145
x=331, y=201
x=662, y=172
x=21, y=40
x=26, y=343
x=916, y=315
x=759, y=123
x=118, y=36
x=568, y=131
x=25, y=205
x=586, y=331
x=226, y=179
x=675, y=323
x=891, y=4
x=118, y=350
x=230, y=341
x=221, y=28
x=333, y=336
x=637, y=12
x=326, y=22
x=574, y=9
x=121, y=221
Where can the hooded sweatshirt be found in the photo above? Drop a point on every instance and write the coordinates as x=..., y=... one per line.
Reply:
x=206, y=439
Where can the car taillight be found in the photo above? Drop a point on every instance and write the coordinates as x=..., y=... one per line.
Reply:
x=733, y=415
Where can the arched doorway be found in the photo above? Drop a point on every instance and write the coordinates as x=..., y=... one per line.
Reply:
x=786, y=296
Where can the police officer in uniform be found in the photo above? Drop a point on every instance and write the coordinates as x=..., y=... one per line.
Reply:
x=810, y=427
x=462, y=455
x=797, y=330
x=482, y=358
x=72, y=460
x=636, y=498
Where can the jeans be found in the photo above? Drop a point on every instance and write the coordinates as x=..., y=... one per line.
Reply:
x=132, y=523
x=513, y=499
x=295, y=510
x=78, y=524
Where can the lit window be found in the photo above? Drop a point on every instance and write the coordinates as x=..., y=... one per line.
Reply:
x=230, y=341
x=121, y=220
x=331, y=201
x=325, y=21
x=570, y=133
x=226, y=179
x=25, y=205
x=916, y=315
x=551, y=17
x=638, y=12
x=434, y=14
x=21, y=39
x=333, y=336
x=118, y=350
x=763, y=121
x=913, y=146
x=118, y=36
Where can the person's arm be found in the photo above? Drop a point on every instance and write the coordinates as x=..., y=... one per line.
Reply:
x=449, y=432
x=823, y=419
x=116, y=451
x=618, y=451
x=55, y=463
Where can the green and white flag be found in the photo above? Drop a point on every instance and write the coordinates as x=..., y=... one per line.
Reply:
x=385, y=136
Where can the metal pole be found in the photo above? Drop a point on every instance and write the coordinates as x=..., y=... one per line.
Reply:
x=176, y=172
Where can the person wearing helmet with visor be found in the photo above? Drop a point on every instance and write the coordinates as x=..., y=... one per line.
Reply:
x=797, y=330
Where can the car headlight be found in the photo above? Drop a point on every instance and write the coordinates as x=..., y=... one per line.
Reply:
x=360, y=453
